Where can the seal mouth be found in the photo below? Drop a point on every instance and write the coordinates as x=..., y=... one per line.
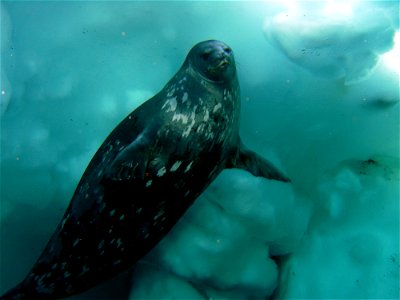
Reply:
x=223, y=64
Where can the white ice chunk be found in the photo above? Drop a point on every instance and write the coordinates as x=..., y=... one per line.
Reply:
x=335, y=40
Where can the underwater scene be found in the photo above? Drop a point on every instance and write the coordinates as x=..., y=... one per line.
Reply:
x=200, y=150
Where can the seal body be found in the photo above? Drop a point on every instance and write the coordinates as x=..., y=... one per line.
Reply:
x=145, y=175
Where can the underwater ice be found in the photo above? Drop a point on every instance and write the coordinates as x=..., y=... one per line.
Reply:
x=320, y=98
x=333, y=41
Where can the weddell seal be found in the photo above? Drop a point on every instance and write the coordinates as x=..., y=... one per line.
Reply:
x=145, y=175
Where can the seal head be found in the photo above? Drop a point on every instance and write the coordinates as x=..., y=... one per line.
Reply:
x=213, y=60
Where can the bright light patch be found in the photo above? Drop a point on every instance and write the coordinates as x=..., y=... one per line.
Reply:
x=339, y=9
x=331, y=8
x=391, y=59
x=291, y=5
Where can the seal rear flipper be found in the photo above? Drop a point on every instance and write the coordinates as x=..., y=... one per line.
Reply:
x=255, y=164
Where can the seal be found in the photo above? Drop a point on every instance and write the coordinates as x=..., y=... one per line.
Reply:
x=145, y=175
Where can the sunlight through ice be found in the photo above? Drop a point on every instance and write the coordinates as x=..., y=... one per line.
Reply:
x=391, y=59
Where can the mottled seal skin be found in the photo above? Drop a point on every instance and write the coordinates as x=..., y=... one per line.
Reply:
x=145, y=175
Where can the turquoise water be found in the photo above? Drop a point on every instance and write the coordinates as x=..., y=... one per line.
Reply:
x=320, y=98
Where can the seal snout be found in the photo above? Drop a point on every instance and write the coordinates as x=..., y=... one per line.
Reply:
x=224, y=53
x=220, y=58
x=224, y=56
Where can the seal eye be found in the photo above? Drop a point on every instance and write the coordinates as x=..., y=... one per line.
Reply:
x=227, y=50
x=205, y=55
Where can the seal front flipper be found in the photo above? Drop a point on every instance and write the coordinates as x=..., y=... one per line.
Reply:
x=255, y=164
x=131, y=162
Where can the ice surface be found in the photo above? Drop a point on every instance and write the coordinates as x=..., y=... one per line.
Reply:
x=320, y=98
